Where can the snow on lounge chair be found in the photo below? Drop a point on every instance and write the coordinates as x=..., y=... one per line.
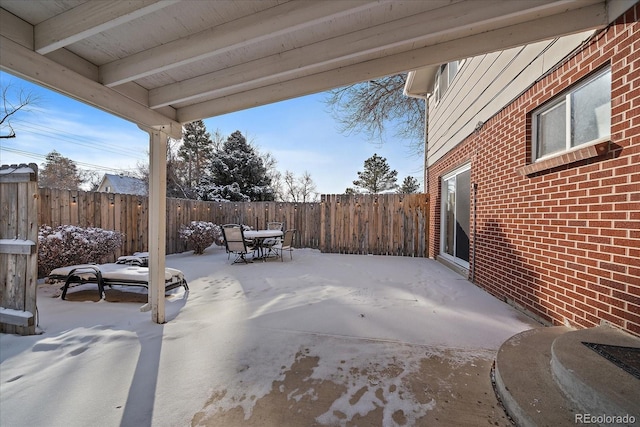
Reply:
x=113, y=274
x=140, y=259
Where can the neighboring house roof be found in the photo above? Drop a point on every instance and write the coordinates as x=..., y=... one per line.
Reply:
x=122, y=184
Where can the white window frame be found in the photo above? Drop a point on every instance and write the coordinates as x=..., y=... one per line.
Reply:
x=553, y=103
x=444, y=77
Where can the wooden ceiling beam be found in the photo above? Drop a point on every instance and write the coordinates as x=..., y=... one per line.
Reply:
x=269, y=23
x=37, y=68
x=569, y=22
x=89, y=19
x=405, y=33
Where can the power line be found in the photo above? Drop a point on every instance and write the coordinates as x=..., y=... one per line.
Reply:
x=58, y=134
x=84, y=164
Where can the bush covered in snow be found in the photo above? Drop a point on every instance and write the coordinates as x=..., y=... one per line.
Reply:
x=69, y=245
x=201, y=234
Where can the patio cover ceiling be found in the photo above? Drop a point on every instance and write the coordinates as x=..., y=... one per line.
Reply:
x=164, y=63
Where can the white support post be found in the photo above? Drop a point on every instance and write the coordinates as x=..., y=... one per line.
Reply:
x=157, y=222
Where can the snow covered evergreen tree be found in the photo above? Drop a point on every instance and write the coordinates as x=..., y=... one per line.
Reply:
x=409, y=185
x=195, y=154
x=238, y=174
x=377, y=176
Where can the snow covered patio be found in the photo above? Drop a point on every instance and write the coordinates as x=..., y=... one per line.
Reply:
x=325, y=339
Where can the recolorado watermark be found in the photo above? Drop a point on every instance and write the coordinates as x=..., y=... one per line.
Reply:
x=604, y=419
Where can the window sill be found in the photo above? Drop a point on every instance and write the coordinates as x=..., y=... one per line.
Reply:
x=597, y=149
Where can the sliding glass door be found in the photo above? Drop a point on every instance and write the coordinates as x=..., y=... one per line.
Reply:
x=455, y=216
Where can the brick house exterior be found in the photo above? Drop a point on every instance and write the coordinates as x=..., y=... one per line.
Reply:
x=559, y=238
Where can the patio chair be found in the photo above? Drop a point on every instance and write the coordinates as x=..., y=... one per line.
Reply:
x=286, y=244
x=270, y=242
x=226, y=247
x=236, y=243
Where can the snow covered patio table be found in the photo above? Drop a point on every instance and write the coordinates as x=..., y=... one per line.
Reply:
x=328, y=340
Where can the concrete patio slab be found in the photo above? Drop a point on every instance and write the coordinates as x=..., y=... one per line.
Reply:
x=325, y=339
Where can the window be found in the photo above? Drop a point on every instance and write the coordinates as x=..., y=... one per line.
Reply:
x=444, y=77
x=578, y=117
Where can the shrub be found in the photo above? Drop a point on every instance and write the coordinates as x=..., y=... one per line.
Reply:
x=69, y=245
x=201, y=234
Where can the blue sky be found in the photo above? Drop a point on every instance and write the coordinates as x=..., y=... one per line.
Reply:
x=301, y=134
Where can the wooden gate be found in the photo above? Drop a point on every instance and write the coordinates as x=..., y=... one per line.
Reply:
x=18, y=248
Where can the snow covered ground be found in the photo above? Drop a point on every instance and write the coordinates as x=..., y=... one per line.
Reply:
x=355, y=320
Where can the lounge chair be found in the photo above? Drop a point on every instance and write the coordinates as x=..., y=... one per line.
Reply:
x=140, y=259
x=112, y=275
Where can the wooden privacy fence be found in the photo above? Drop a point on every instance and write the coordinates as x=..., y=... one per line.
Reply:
x=377, y=224
x=18, y=243
x=390, y=224
x=129, y=214
x=304, y=217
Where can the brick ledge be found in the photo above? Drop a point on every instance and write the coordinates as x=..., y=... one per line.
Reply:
x=582, y=153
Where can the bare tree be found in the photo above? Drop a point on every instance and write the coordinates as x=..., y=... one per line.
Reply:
x=175, y=187
x=92, y=179
x=299, y=189
x=60, y=172
x=308, y=189
x=217, y=139
x=377, y=105
x=289, y=187
x=271, y=164
x=11, y=107
x=277, y=184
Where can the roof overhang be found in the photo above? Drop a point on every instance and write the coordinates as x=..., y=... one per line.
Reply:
x=163, y=63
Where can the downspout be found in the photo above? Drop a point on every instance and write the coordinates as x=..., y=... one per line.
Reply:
x=475, y=215
x=425, y=177
x=426, y=134
x=426, y=143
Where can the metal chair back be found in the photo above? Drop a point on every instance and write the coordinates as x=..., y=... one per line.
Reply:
x=287, y=243
x=235, y=242
x=275, y=225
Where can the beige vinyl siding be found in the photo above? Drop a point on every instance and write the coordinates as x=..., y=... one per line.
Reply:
x=485, y=84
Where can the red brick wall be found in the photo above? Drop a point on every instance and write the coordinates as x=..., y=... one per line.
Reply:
x=564, y=243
